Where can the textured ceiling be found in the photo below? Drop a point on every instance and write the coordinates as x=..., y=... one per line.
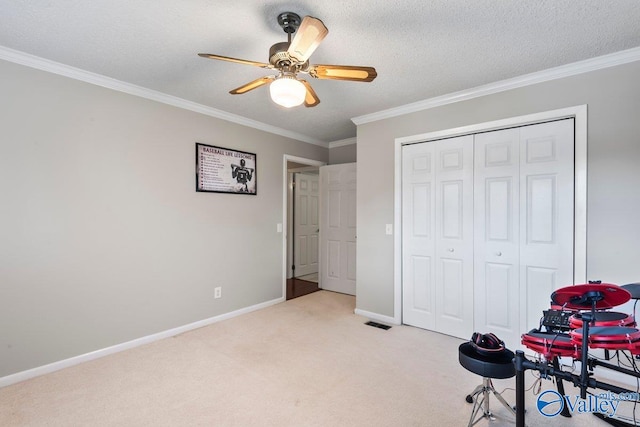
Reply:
x=421, y=49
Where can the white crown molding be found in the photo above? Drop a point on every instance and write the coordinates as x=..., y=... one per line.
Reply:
x=43, y=64
x=593, y=64
x=343, y=142
x=66, y=363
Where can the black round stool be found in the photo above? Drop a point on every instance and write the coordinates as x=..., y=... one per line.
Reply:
x=489, y=365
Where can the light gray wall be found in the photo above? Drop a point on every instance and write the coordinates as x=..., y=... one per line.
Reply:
x=344, y=154
x=613, y=231
x=103, y=238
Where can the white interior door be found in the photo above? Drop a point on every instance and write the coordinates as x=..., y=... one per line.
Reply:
x=306, y=223
x=497, y=235
x=418, y=241
x=524, y=225
x=454, y=236
x=546, y=215
x=338, y=228
x=438, y=235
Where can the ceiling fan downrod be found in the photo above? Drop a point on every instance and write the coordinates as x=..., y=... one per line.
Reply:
x=289, y=22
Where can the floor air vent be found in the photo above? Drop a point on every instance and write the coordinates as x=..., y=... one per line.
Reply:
x=378, y=325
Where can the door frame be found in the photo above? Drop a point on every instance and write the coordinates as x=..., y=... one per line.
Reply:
x=579, y=113
x=286, y=195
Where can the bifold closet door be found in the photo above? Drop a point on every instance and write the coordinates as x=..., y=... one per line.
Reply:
x=524, y=198
x=438, y=236
x=418, y=242
x=487, y=229
x=546, y=215
x=497, y=235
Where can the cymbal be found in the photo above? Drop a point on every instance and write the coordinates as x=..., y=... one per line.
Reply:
x=581, y=297
x=634, y=289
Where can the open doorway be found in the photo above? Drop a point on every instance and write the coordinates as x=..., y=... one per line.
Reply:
x=301, y=226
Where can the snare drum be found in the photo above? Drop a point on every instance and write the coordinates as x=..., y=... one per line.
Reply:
x=610, y=338
x=604, y=318
x=551, y=344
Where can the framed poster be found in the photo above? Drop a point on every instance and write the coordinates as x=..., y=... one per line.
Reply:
x=221, y=170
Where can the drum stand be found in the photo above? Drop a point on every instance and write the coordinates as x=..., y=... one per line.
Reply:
x=522, y=364
x=583, y=381
x=560, y=386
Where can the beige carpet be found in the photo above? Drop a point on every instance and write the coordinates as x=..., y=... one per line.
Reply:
x=306, y=362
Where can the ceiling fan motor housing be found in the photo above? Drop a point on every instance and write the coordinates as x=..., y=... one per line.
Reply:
x=278, y=56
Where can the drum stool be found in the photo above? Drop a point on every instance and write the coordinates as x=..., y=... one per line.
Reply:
x=489, y=366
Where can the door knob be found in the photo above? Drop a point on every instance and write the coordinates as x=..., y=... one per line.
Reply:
x=450, y=249
x=499, y=253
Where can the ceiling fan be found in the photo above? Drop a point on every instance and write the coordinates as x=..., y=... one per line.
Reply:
x=291, y=58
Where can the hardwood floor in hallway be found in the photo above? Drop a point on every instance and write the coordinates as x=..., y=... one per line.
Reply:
x=297, y=288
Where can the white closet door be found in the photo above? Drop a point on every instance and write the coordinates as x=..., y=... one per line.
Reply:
x=437, y=235
x=454, y=236
x=487, y=229
x=418, y=243
x=497, y=235
x=546, y=215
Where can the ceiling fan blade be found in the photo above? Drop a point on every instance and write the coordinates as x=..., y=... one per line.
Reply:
x=236, y=60
x=252, y=85
x=309, y=35
x=343, y=72
x=310, y=99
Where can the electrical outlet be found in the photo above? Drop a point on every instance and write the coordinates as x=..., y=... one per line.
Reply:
x=217, y=292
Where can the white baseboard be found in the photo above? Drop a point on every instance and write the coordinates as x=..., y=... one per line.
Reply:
x=66, y=363
x=377, y=317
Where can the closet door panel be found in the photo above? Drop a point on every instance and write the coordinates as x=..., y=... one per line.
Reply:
x=546, y=217
x=418, y=244
x=454, y=236
x=496, y=231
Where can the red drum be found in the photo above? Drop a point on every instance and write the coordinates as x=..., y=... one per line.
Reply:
x=593, y=295
x=610, y=338
x=604, y=318
x=551, y=344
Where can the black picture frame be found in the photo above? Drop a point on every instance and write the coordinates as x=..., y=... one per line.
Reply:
x=224, y=170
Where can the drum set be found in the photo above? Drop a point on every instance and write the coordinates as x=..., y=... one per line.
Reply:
x=581, y=320
x=565, y=328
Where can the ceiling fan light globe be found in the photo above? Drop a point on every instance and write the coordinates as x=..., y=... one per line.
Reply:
x=287, y=91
